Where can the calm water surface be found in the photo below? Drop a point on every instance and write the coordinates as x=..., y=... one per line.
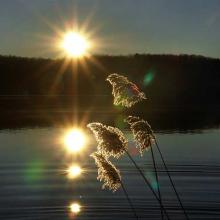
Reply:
x=34, y=185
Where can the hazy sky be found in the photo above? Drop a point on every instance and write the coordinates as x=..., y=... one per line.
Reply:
x=118, y=26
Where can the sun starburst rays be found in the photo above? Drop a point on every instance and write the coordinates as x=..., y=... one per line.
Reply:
x=75, y=44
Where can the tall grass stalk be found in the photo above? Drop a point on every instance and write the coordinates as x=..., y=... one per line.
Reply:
x=129, y=200
x=149, y=185
x=110, y=176
x=112, y=142
x=144, y=137
x=171, y=181
x=157, y=179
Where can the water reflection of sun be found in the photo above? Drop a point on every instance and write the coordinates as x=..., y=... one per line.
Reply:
x=75, y=208
x=73, y=171
x=74, y=140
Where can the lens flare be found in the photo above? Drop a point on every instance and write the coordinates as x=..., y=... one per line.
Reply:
x=148, y=78
x=74, y=140
x=74, y=171
x=75, y=208
x=75, y=44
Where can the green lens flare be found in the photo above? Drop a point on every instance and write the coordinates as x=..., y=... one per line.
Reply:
x=34, y=171
x=119, y=122
x=148, y=78
x=152, y=179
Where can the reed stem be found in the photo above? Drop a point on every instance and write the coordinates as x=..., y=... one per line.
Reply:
x=149, y=185
x=129, y=200
x=172, y=183
x=157, y=179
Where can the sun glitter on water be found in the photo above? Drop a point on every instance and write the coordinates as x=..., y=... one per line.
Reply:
x=75, y=208
x=75, y=44
x=74, y=140
x=74, y=171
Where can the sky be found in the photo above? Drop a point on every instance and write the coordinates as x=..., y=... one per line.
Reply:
x=117, y=27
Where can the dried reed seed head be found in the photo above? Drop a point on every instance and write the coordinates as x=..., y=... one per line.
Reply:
x=96, y=128
x=125, y=93
x=142, y=133
x=111, y=141
x=143, y=140
x=142, y=126
x=115, y=78
x=131, y=119
x=137, y=123
x=107, y=172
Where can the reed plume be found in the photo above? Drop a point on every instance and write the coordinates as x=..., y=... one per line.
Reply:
x=142, y=132
x=107, y=172
x=125, y=92
x=111, y=141
x=144, y=136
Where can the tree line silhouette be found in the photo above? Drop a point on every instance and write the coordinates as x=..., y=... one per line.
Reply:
x=177, y=81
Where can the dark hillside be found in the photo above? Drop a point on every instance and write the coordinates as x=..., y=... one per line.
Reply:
x=179, y=88
x=166, y=79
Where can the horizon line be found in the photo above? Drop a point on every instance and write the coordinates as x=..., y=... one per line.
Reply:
x=111, y=55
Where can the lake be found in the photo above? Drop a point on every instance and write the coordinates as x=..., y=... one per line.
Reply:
x=34, y=184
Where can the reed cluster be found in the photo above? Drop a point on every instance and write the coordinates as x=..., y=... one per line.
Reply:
x=111, y=142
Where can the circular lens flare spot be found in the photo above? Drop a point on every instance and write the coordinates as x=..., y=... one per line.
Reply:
x=74, y=140
x=75, y=208
x=75, y=44
x=74, y=171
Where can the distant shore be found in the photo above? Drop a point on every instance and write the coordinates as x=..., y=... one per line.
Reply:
x=178, y=88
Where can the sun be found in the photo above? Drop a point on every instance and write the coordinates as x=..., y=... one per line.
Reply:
x=74, y=140
x=75, y=44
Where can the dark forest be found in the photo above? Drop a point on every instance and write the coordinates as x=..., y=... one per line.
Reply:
x=172, y=82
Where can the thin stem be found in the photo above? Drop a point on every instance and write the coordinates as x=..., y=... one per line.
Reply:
x=172, y=183
x=129, y=200
x=157, y=179
x=149, y=185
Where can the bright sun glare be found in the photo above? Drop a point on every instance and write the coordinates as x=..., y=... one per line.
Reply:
x=75, y=208
x=74, y=171
x=74, y=140
x=75, y=44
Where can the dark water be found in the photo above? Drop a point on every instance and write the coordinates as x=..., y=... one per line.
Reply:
x=34, y=185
